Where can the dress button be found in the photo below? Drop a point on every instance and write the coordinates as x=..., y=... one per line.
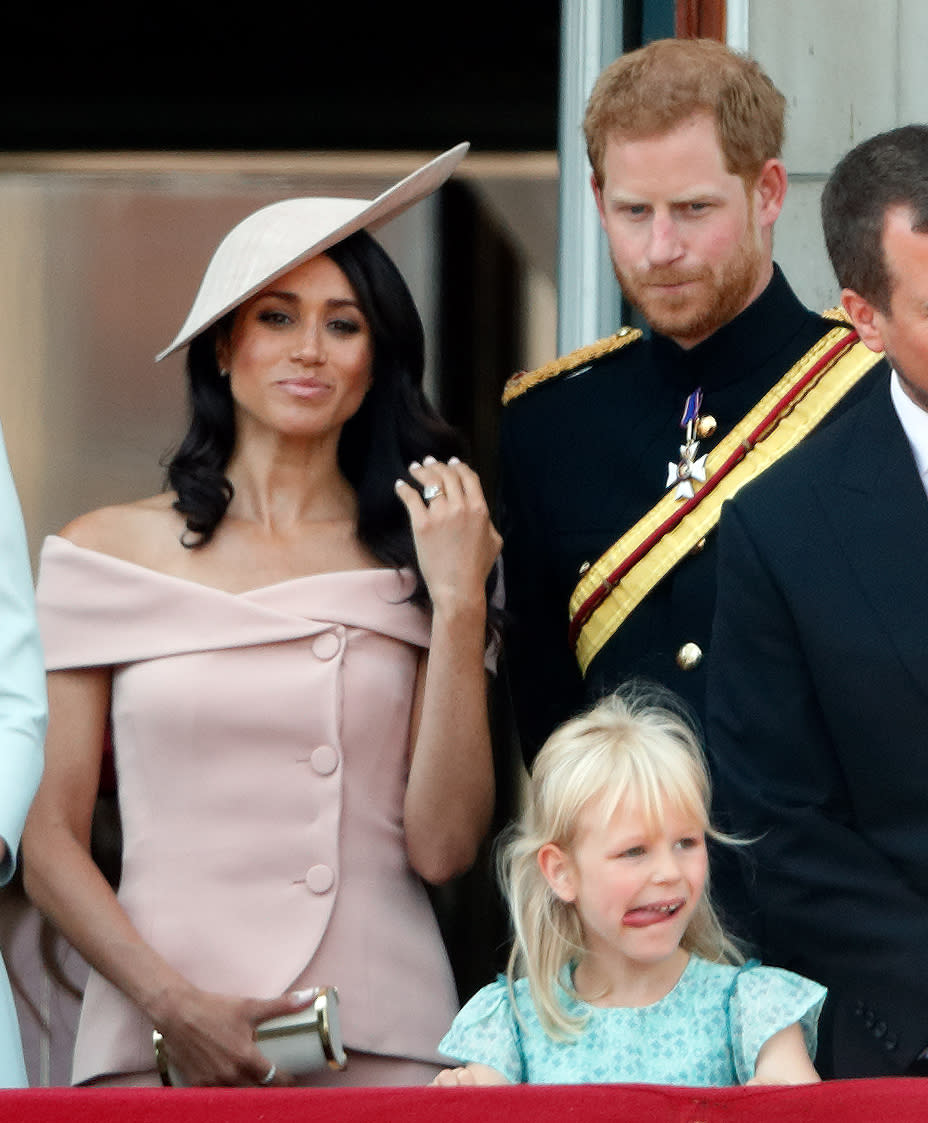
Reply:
x=320, y=879
x=689, y=657
x=326, y=646
x=324, y=760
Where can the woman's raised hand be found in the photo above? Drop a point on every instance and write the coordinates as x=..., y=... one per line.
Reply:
x=449, y=790
x=456, y=541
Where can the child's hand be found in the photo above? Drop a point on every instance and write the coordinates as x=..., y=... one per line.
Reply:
x=452, y=1077
x=469, y=1076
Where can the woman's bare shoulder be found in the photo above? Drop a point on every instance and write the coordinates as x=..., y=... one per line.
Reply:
x=132, y=531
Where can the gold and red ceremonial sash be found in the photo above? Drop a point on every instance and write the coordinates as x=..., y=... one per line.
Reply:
x=617, y=582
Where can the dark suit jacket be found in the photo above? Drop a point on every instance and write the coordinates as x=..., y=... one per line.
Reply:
x=817, y=710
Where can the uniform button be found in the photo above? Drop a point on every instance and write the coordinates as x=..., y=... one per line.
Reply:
x=869, y=1019
x=320, y=879
x=879, y=1030
x=705, y=426
x=326, y=646
x=324, y=760
x=689, y=657
x=699, y=547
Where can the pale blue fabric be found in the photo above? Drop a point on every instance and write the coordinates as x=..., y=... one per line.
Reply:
x=706, y=1032
x=23, y=715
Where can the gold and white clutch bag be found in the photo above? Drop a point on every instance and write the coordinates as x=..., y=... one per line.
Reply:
x=299, y=1043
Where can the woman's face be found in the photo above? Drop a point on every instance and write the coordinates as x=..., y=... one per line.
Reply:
x=299, y=353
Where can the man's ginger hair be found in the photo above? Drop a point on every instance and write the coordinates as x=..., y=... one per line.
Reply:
x=652, y=90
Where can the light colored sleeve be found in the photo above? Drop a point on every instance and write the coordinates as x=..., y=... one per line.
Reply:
x=764, y=1001
x=485, y=1032
x=23, y=705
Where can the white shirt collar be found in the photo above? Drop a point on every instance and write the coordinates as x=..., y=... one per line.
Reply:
x=914, y=421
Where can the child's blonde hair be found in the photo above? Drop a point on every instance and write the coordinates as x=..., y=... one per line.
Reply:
x=636, y=743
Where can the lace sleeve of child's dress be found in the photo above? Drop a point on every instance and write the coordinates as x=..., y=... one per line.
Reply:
x=765, y=1000
x=486, y=1031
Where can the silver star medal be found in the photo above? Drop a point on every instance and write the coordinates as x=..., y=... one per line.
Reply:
x=689, y=467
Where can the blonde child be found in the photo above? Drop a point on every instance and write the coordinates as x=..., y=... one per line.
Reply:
x=620, y=971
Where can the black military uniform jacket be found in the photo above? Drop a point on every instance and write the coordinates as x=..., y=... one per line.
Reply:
x=583, y=457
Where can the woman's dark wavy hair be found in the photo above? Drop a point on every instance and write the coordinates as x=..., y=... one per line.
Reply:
x=395, y=425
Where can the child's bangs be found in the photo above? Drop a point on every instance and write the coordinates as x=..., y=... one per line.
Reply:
x=657, y=778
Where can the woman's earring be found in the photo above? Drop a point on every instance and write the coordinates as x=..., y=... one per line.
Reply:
x=223, y=372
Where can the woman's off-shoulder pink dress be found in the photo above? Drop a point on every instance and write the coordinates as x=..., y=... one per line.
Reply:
x=261, y=745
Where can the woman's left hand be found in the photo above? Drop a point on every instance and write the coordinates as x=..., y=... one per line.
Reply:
x=449, y=790
x=456, y=541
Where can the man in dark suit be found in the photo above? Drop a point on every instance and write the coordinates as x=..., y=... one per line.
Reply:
x=817, y=697
x=614, y=460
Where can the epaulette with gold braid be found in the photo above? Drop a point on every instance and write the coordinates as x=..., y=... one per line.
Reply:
x=527, y=379
x=837, y=314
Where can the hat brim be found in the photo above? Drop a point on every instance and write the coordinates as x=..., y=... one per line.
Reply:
x=277, y=238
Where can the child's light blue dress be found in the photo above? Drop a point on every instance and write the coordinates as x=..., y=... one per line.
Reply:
x=707, y=1031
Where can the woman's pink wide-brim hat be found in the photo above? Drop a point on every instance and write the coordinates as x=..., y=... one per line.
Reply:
x=277, y=238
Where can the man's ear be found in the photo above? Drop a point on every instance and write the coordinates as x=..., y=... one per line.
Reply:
x=770, y=188
x=557, y=869
x=598, y=196
x=865, y=317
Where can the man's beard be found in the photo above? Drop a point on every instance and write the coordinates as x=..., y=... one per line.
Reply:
x=696, y=312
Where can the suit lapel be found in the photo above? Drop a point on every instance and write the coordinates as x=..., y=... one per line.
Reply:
x=875, y=502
